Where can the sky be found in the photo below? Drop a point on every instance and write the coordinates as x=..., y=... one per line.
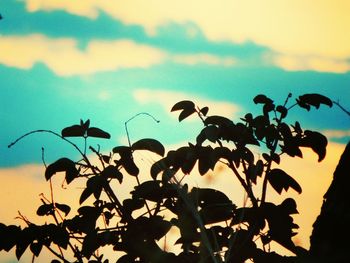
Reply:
x=108, y=60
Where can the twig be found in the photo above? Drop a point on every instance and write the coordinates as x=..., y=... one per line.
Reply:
x=341, y=107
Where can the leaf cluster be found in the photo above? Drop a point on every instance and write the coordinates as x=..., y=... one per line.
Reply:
x=211, y=227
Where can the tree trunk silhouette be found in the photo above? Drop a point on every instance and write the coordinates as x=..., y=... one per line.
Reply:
x=331, y=231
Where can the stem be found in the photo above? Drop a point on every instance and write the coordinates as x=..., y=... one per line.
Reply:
x=243, y=183
x=341, y=107
x=47, y=131
x=249, y=185
x=133, y=117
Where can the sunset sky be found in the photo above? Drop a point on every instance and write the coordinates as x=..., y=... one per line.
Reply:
x=107, y=60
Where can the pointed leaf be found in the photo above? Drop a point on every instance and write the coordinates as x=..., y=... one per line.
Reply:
x=158, y=167
x=85, y=125
x=36, y=247
x=315, y=100
x=98, y=133
x=45, y=209
x=183, y=105
x=262, y=99
x=204, y=111
x=280, y=180
x=283, y=110
x=112, y=172
x=62, y=165
x=85, y=195
x=316, y=141
x=218, y=121
x=150, y=145
x=186, y=113
x=73, y=131
x=64, y=208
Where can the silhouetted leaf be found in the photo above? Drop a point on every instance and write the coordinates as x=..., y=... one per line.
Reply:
x=25, y=238
x=130, y=166
x=59, y=235
x=204, y=160
x=268, y=107
x=73, y=131
x=90, y=244
x=183, y=105
x=149, y=145
x=36, y=247
x=45, y=209
x=280, y=180
x=62, y=165
x=149, y=190
x=85, y=195
x=187, y=108
x=283, y=110
x=204, y=111
x=9, y=236
x=289, y=206
x=157, y=227
x=85, y=125
x=64, y=208
x=186, y=113
x=98, y=133
x=131, y=205
x=280, y=224
x=262, y=99
x=113, y=173
x=316, y=141
x=210, y=133
x=158, y=167
x=313, y=99
x=218, y=120
x=126, y=259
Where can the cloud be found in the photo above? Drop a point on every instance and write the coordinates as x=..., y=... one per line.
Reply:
x=320, y=64
x=336, y=134
x=292, y=27
x=204, y=58
x=63, y=56
x=168, y=98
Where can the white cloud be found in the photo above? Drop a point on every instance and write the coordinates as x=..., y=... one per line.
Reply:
x=291, y=27
x=168, y=98
x=65, y=58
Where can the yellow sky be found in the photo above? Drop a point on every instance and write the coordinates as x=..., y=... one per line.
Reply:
x=301, y=33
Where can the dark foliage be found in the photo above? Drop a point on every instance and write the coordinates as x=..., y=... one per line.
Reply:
x=211, y=227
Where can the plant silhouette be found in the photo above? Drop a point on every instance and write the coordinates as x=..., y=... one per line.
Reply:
x=211, y=228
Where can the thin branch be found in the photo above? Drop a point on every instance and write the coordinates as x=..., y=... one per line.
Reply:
x=133, y=117
x=341, y=107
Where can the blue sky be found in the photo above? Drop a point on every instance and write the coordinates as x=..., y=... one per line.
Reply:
x=62, y=61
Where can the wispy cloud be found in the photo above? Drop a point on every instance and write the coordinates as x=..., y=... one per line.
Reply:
x=167, y=99
x=63, y=56
x=269, y=23
x=204, y=58
x=320, y=64
x=337, y=134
